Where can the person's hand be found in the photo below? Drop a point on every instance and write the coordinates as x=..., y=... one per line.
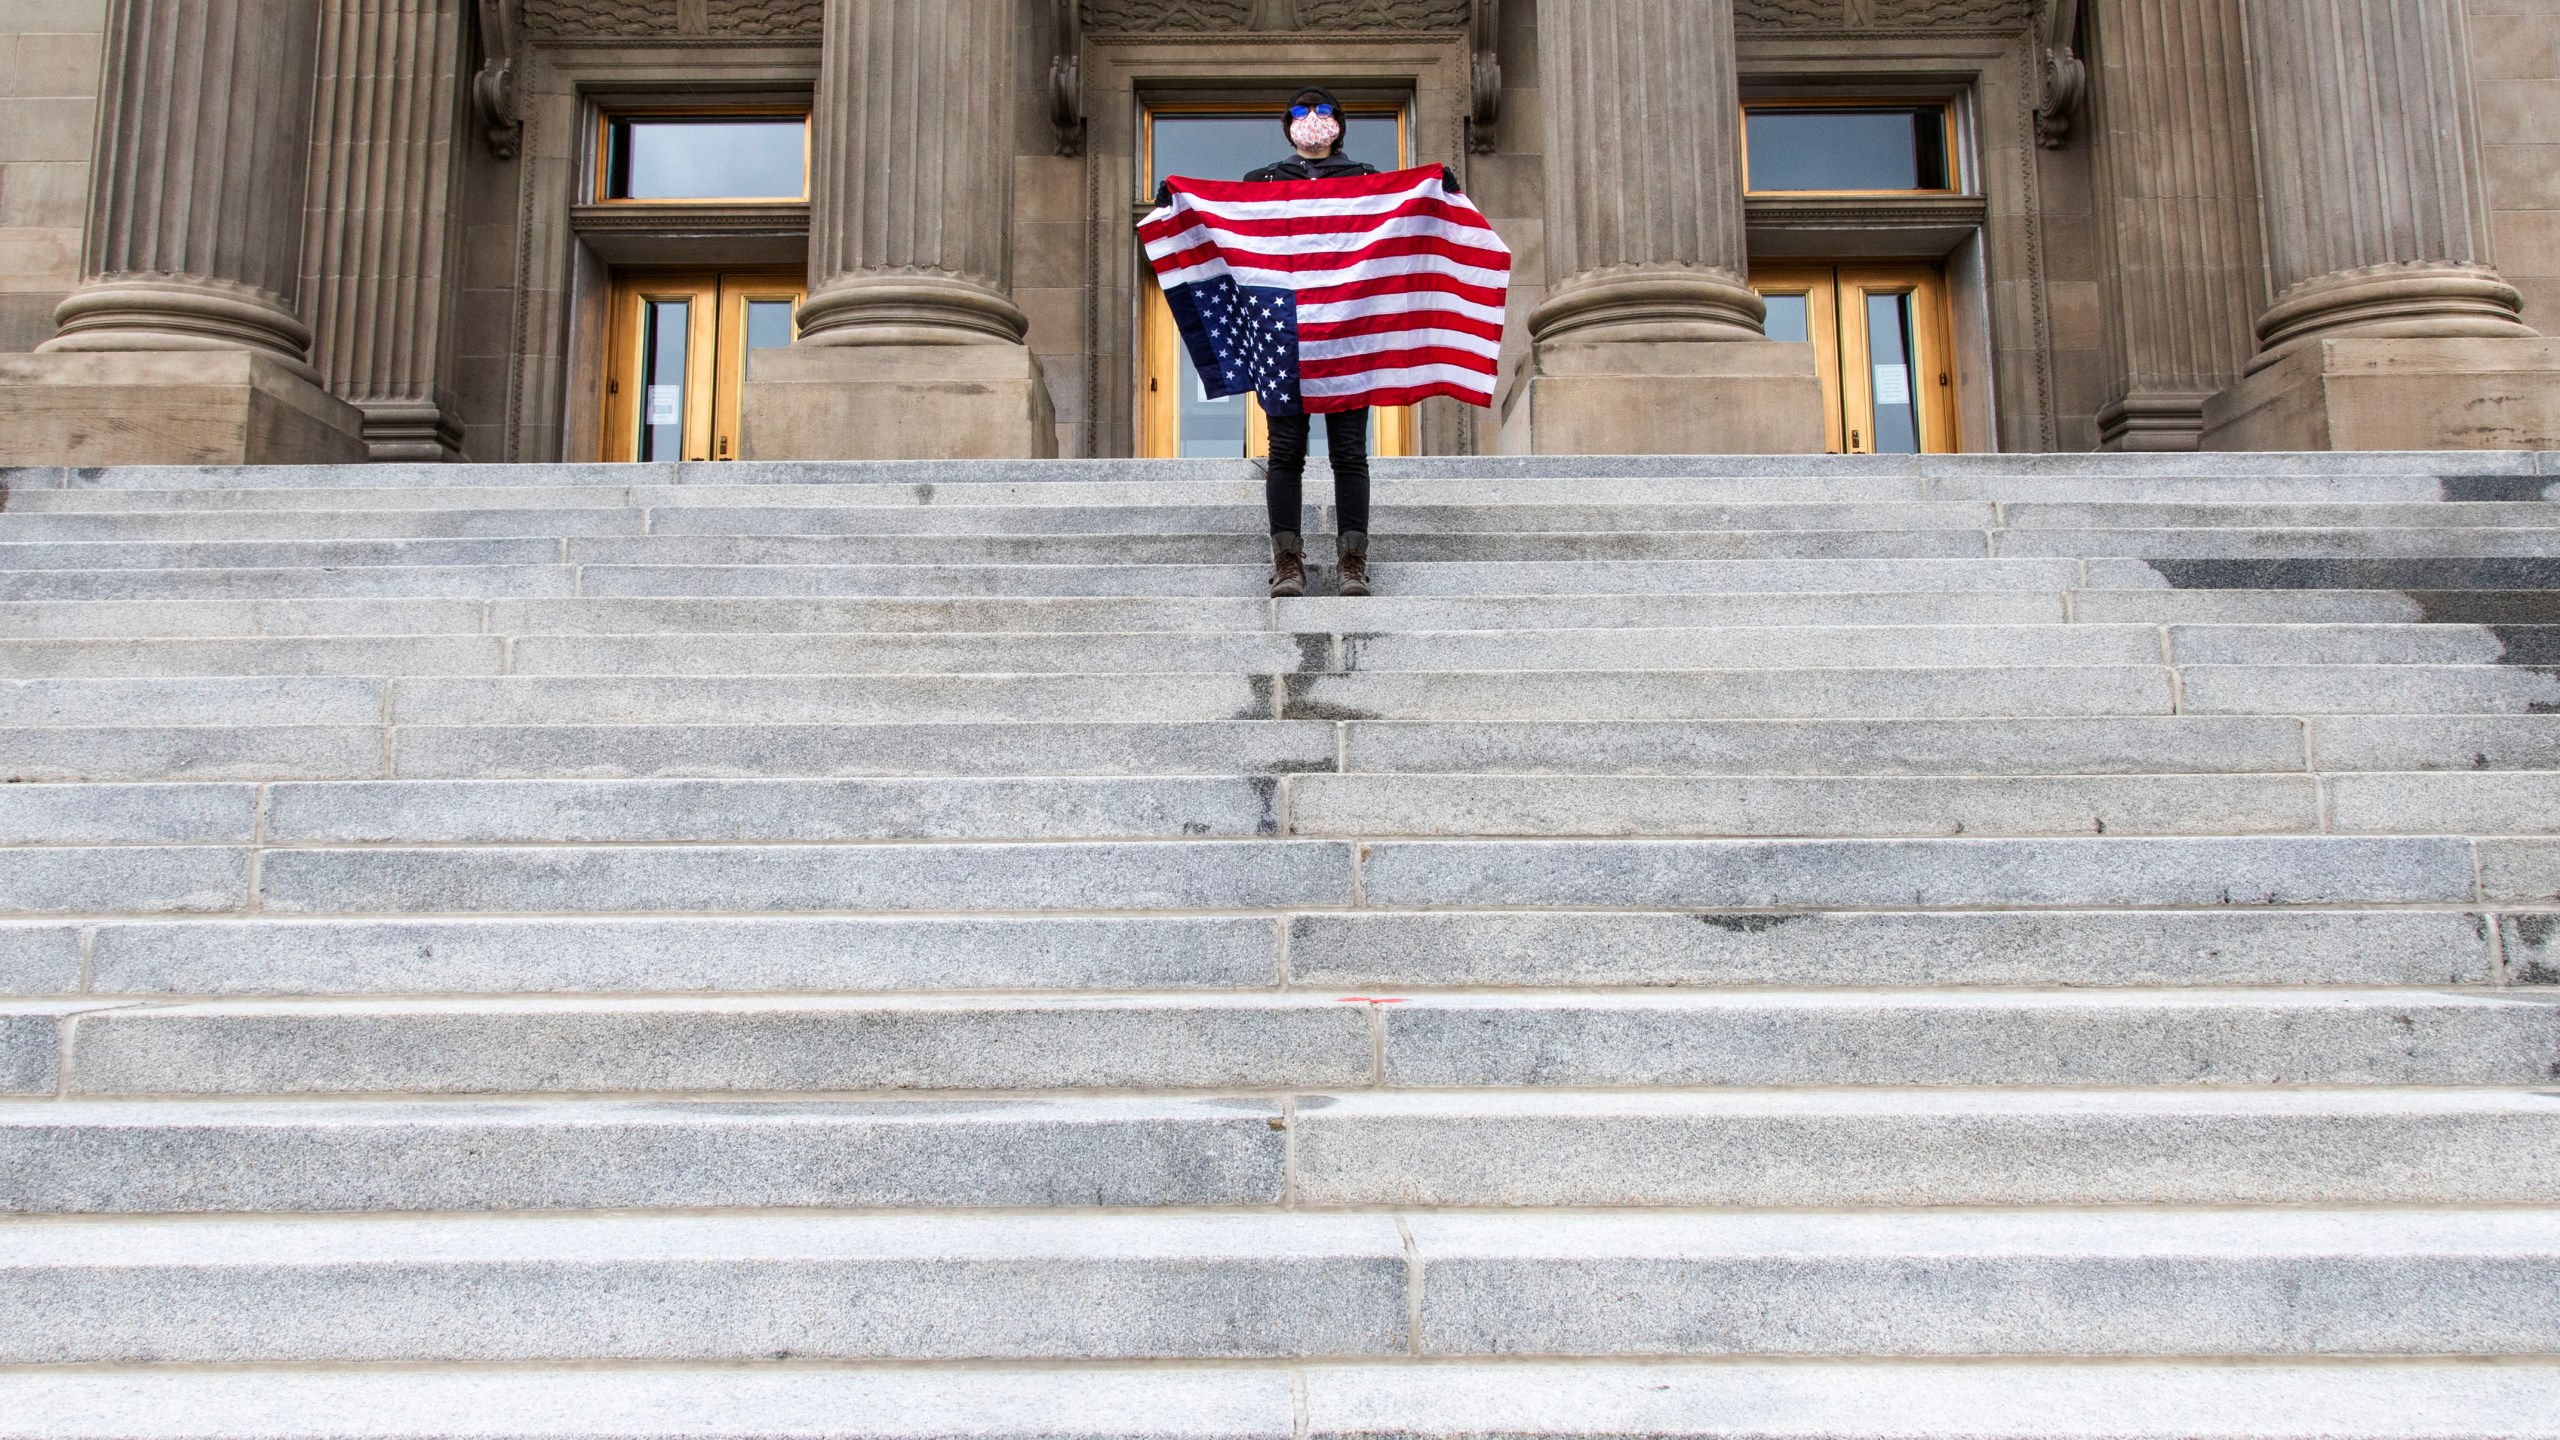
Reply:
x=1449, y=181
x=1164, y=193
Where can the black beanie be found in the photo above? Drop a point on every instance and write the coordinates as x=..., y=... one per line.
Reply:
x=1319, y=95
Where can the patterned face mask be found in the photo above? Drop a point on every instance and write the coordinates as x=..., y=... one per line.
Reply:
x=1314, y=132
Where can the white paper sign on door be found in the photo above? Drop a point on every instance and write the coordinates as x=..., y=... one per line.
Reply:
x=666, y=404
x=1893, y=384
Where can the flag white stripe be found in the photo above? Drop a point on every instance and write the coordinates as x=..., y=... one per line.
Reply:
x=1397, y=340
x=1378, y=268
x=1401, y=378
x=1413, y=302
x=1431, y=226
x=1429, y=185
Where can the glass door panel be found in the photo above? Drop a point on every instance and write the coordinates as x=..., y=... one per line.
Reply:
x=1895, y=371
x=1803, y=306
x=678, y=347
x=1881, y=343
x=1223, y=140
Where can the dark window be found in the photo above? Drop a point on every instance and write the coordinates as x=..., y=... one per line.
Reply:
x=1223, y=146
x=706, y=157
x=1802, y=147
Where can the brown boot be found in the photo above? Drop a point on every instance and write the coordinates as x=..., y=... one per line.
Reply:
x=1353, y=547
x=1288, y=565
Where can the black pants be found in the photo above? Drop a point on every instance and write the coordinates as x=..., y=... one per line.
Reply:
x=1346, y=436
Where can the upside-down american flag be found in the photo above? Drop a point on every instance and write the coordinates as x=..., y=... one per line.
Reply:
x=1327, y=295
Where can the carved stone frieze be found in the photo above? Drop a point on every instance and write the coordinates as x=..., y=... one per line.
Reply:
x=657, y=19
x=580, y=19
x=1133, y=16
x=1122, y=17
x=1789, y=14
x=764, y=17
x=1969, y=14
x=1882, y=14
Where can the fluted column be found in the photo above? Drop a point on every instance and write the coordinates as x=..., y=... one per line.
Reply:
x=911, y=205
x=2376, y=220
x=1644, y=173
x=195, y=220
x=2179, y=213
x=380, y=233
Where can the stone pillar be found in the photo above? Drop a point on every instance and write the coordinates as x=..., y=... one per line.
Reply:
x=182, y=343
x=380, y=238
x=910, y=343
x=1649, y=339
x=2389, y=328
x=2178, y=204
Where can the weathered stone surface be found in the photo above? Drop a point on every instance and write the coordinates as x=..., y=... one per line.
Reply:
x=666, y=1288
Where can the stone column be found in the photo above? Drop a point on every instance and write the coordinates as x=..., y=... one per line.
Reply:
x=2178, y=207
x=910, y=343
x=381, y=234
x=2377, y=237
x=182, y=342
x=1650, y=339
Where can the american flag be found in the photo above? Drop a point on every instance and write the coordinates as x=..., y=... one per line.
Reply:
x=1326, y=295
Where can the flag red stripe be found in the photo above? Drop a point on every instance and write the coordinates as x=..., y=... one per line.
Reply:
x=1383, y=183
x=1335, y=369
x=1376, y=286
x=1400, y=320
x=1317, y=223
x=1399, y=395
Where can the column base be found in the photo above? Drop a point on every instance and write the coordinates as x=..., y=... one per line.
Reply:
x=898, y=402
x=170, y=407
x=2462, y=393
x=1734, y=397
x=2154, y=421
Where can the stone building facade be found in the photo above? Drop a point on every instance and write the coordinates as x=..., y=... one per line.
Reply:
x=302, y=230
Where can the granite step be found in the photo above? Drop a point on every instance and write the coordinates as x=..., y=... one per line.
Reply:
x=1804, y=692
x=1453, y=578
x=1720, y=1400
x=1246, y=545
x=1358, y=952
x=2381, y=1283
x=2408, y=689
x=1770, y=1148
x=1261, y=1041
x=458, y=582
x=2260, y=545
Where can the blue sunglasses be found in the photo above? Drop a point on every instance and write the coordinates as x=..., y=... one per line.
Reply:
x=1301, y=112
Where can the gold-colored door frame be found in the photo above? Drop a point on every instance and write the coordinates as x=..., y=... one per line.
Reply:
x=1160, y=340
x=715, y=354
x=1835, y=314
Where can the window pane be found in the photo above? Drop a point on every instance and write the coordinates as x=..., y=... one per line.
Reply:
x=768, y=328
x=1897, y=417
x=706, y=158
x=1211, y=429
x=1790, y=318
x=662, y=359
x=1792, y=149
x=1225, y=146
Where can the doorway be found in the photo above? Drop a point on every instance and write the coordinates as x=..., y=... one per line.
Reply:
x=1882, y=338
x=678, y=348
x=1222, y=140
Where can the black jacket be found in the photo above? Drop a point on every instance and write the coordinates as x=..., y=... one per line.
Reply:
x=1298, y=167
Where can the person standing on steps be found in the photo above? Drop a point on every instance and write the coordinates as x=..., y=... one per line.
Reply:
x=1314, y=125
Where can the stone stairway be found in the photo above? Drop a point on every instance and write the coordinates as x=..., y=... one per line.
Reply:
x=1813, y=948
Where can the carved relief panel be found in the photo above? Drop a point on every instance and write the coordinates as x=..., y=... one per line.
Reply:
x=1882, y=14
